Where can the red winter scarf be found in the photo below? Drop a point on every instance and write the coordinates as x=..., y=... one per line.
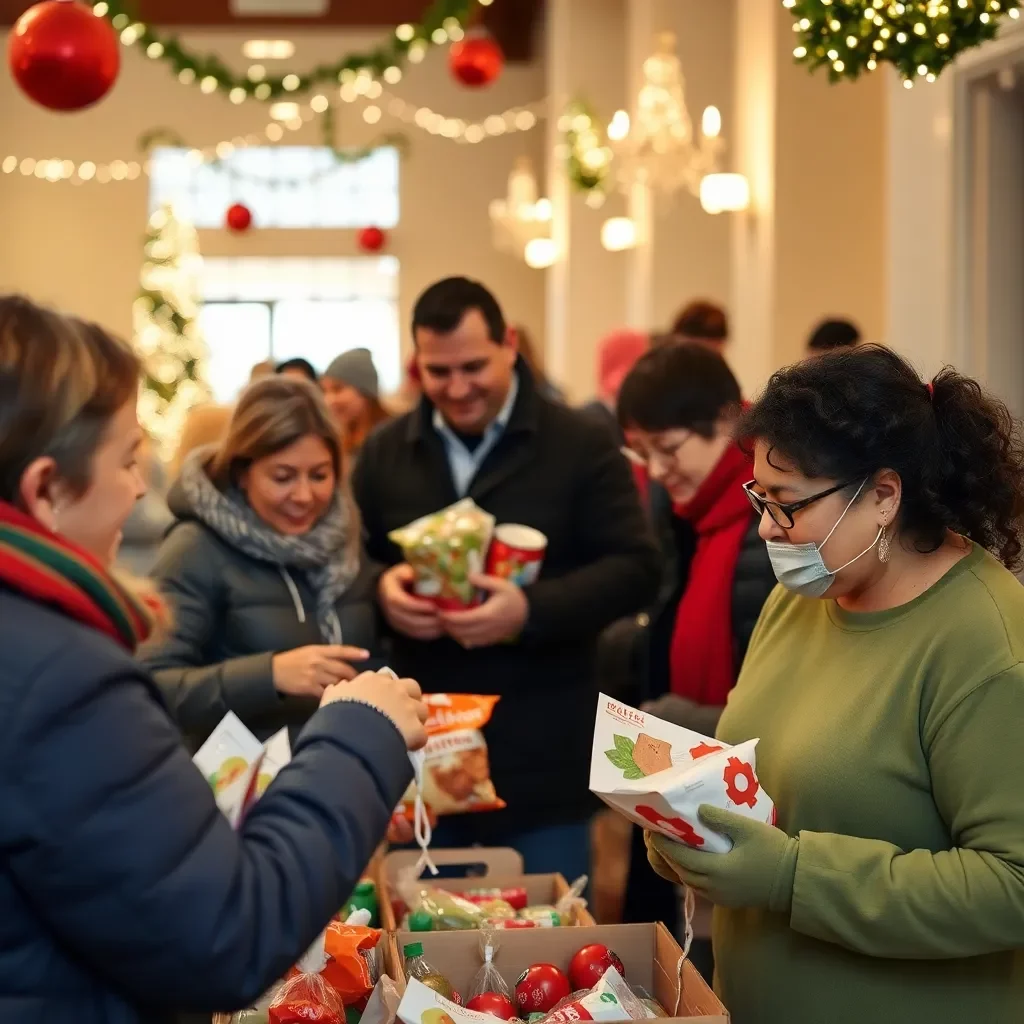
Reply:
x=47, y=568
x=701, y=659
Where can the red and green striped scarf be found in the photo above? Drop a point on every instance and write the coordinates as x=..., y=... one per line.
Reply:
x=47, y=568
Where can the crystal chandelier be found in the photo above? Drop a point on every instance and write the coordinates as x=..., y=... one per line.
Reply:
x=521, y=222
x=658, y=148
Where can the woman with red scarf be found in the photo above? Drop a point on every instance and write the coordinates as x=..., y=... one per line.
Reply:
x=678, y=408
x=124, y=894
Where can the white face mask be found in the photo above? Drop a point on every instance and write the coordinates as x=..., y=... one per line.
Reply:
x=800, y=567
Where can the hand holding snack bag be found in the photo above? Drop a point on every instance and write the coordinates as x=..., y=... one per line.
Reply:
x=658, y=775
x=444, y=550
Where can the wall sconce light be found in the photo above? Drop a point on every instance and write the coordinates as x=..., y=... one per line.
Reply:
x=618, y=233
x=721, y=193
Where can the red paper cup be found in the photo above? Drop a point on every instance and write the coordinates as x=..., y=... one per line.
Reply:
x=516, y=553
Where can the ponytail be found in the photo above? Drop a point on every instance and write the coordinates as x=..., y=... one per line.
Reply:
x=979, y=484
x=958, y=451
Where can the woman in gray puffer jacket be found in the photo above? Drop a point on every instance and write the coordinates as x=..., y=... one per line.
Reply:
x=272, y=600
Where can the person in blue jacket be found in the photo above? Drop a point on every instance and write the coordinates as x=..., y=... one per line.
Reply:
x=125, y=896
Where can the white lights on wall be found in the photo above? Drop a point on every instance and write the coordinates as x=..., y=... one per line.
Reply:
x=268, y=49
x=724, y=193
x=618, y=234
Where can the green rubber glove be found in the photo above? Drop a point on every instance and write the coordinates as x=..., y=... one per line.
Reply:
x=757, y=872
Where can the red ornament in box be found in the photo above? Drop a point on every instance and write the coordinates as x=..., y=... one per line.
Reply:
x=476, y=61
x=239, y=218
x=62, y=55
x=371, y=239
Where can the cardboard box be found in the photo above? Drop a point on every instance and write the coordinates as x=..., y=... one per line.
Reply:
x=501, y=868
x=651, y=956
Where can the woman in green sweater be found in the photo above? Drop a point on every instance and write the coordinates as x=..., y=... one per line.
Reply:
x=886, y=682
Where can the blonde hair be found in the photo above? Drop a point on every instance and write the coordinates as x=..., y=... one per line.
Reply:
x=205, y=425
x=272, y=414
x=61, y=382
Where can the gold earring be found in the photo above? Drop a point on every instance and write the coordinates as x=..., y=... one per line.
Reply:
x=884, y=549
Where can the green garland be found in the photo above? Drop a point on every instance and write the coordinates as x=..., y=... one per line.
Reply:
x=919, y=38
x=210, y=68
x=588, y=161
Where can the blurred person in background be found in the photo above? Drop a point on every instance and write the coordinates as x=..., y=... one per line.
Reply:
x=125, y=894
x=533, y=356
x=617, y=354
x=149, y=520
x=831, y=336
x=886, y=683
x=352, y=391
x=300, y=368
x=679, y=408
x=484, y=431
x=704, y=322
x=204, y=425
x=272, y=601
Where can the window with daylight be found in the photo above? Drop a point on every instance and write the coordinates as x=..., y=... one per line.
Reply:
x=283, y=186
x=278, y=308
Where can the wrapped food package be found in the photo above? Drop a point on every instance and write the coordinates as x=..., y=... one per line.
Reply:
x=658, y=774
x=444, y=550
x=351, y=966
x=488, y=979
x=611, y=999
x=456, y=768
x=306, y=995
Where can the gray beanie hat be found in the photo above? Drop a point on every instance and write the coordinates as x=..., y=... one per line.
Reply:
x=355, y=367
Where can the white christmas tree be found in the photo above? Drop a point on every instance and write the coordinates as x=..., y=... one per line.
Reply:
x=166, y=330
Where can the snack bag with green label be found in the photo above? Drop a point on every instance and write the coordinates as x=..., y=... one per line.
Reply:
x=444, y=550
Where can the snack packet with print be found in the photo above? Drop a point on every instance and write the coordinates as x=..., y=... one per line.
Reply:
x=658, y=774
x=444, y=550
x=456, y=768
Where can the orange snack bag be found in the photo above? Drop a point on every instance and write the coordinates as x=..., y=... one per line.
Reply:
x=348, y=967
x=457, y=771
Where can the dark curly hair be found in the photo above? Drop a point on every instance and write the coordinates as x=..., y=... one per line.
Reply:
x=957, y=450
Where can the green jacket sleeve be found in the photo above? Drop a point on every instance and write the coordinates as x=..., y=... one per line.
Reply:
x=873, y=898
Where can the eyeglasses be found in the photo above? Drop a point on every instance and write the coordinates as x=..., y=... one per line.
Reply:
x=664, y=453
x=782, y=512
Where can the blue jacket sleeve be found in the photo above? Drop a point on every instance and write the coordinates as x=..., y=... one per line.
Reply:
x=118, y=844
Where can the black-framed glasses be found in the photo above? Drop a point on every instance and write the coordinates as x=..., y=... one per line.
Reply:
x=782, y=512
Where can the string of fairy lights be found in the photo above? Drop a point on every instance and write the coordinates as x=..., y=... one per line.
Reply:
x=356, y=86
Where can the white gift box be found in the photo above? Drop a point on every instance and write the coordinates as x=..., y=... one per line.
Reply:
x=658, y=775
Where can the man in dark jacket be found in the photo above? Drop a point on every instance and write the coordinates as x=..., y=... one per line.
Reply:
x=482, y=430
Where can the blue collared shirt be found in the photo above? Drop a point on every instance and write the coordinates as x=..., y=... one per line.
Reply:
x=465, y=464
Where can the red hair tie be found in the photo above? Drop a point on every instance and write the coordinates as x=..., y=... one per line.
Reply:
x=931, y=389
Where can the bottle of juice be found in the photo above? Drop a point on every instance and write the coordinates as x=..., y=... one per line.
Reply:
x=416, y=966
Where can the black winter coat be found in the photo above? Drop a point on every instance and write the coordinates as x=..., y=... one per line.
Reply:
x=560, y=472
x=124, y=893
x=232, y=613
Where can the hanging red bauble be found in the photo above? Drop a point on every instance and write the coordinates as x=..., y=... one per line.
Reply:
x=239, y=218
x=372, y=239
x=476, y=61
x=62, y=55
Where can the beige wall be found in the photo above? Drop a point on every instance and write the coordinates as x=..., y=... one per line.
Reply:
x=830, y=200
x=80, y=247
x=691, y=248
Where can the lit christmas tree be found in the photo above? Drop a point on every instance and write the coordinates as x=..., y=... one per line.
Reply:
x=166, y=331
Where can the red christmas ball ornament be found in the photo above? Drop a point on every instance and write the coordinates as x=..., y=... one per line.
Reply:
x=541, y=987
x=372, y=239
x=239, y=218
x=587, y=967
x=493, y=1003
x=62, y=55
x=476, y=61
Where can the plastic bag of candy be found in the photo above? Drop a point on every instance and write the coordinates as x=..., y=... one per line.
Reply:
x=350, y=967
x=307, y=996
x=436, y=910
x=444, y=550
x=488, y=981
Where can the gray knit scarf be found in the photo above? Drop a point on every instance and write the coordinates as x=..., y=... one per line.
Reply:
x=322, y=554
